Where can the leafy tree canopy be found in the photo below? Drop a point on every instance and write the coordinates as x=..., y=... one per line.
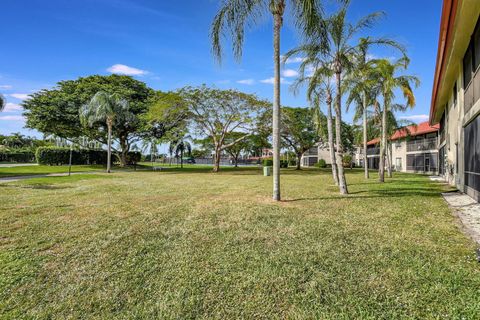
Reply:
x=56, y=111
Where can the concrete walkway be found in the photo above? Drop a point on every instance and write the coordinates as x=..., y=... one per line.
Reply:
x=13, y=165
x=465, y=208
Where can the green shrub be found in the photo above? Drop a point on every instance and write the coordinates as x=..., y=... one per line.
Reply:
x=292, y=162
x=133, y=157
x=55, y=156
x=268, y=162
x=321, y=163
x=19, y=156
x=347, y=160
x=283, y=163
x=52, y=156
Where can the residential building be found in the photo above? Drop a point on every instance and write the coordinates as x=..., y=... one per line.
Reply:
x=456, y=95
x=413, y=149
x=311, y=157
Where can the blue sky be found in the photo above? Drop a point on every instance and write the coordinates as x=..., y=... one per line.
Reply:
x=167, y=45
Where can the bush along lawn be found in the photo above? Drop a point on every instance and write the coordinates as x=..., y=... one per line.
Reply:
x=191, y=244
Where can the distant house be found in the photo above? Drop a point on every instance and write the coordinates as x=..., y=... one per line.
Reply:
x=456, y=95
x=311, y=157
x=414, y=149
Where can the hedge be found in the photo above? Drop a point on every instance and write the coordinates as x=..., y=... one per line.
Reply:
x=55, y=156
x=269, y=163
x=17, y=156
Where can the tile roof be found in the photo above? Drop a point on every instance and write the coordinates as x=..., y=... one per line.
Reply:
x=421, y=128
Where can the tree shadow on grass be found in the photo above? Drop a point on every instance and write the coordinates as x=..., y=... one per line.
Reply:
x=40, y=186
x=372, y=194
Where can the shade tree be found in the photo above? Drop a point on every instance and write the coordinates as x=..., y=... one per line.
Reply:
x=216, y=113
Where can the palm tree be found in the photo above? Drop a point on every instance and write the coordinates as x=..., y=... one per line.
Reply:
x=386, y=75
x=103, y=108
x=150, y=145
x=317, y=74
x=338, y=54
x=3, y=102
x=235, y=15
x=178, y=146
x=318, y=115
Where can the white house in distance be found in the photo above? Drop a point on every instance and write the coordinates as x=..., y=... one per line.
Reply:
x=414, y=149
x=311, y=157
x=456, y=95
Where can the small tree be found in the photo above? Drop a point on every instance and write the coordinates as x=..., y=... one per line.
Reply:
x=298, y=130
x=217, y=113
x=179, y=146
x=104, y=108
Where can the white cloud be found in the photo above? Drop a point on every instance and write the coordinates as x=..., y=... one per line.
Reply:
x=12, y=118
x=126, y=70
x=289, y=73
x=12, y=107
x=246, y=81
x=294, y=60
x=416, y=117
x=20, y=96
x=272, y=81
x=5, y=87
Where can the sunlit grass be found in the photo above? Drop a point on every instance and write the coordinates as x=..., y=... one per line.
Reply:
x=192, y=244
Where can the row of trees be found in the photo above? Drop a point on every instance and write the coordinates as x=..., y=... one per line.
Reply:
x=120, y=112
x=334, y=63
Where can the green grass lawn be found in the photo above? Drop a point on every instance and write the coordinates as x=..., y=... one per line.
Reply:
x=191, y=244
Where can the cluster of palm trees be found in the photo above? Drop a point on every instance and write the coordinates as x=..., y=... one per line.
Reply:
x=334, y=63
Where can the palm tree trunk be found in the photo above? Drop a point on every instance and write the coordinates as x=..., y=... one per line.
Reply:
x=181, y=158
x=383, y=143
x=342, y=183
x=276, y=106
x=109, y=147
x=365, y=162
x=331, y=144
x=389, y=160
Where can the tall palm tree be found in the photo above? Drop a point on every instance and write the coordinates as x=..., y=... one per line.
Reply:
x=317, y=118
x=386, y=73
x=178, y=146
x=104, y=108
x=317, y=76
x=339, y=53
x=235, y=15
x=3, y=102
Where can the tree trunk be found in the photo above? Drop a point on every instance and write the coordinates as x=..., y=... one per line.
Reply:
x=235, y=159
x=276, y=102
x=383, y=143
x=123, y=152
x=109, y=146
x=299, y=159
x=331, y=144
x=216, y=159
x=389, y=160
x=342, y=183
x=365, y=138
x=181, y=158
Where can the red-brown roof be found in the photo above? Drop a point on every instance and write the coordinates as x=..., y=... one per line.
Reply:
x=445, y=39
x=421, y=128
